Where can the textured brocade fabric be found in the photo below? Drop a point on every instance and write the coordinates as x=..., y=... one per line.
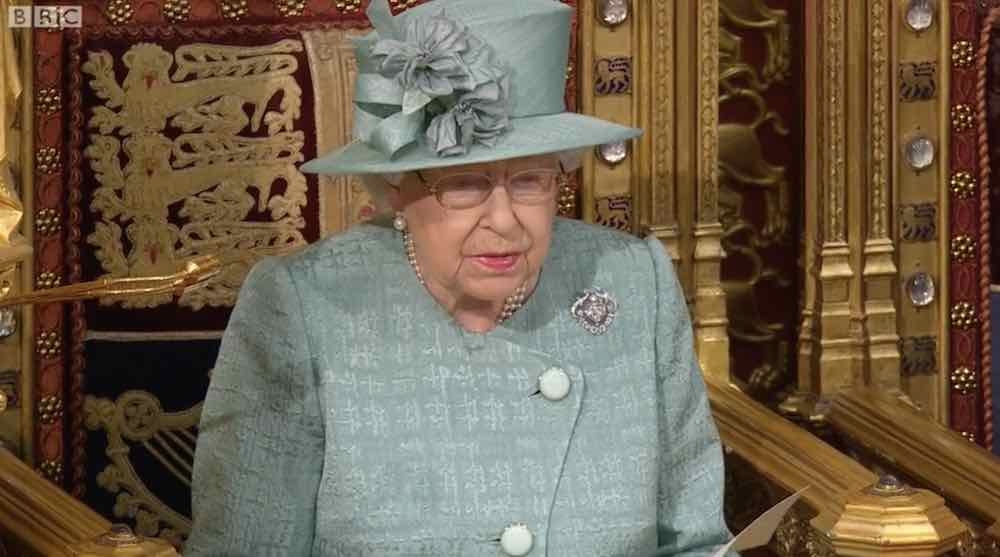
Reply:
x=350, y=419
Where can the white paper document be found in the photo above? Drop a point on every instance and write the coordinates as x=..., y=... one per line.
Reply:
x=760, y=531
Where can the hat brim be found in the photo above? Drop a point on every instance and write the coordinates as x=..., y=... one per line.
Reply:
x=529, y=136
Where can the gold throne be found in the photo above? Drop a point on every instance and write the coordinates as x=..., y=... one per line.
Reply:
x=816, y=170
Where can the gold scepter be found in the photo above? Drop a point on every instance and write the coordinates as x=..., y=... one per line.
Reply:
x=195, y=272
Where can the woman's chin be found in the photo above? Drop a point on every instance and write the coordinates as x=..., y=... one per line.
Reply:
x=493, y=289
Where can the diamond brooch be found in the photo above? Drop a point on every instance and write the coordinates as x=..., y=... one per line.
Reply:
x=595, y=310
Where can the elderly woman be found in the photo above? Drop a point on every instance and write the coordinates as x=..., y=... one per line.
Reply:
x=479, y=377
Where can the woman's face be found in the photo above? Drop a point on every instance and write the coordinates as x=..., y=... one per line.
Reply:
x=483, y=252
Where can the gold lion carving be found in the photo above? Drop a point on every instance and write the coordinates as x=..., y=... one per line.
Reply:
x=208, y=190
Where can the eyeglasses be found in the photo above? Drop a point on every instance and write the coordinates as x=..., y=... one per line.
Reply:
x=470, y=189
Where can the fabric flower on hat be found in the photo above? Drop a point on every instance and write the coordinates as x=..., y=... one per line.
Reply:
x=428, y=63
x=438, y=72
x=480, y=116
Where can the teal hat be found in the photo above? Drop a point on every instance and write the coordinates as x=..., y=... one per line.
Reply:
x=463, y=81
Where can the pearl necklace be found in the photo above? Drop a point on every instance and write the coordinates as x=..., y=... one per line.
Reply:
x=510, y=305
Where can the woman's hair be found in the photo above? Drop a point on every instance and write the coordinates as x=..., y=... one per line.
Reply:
x=378, y=185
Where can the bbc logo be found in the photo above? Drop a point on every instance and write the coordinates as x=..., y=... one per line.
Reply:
x=50, y=17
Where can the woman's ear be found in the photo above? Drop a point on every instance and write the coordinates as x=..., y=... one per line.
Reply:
x=394, y=197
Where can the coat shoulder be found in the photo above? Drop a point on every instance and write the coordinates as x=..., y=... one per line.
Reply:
x=580, y=236
x=357, y=254
x=603, y=252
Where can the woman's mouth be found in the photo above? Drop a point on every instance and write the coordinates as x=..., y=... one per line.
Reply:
x=498, y=261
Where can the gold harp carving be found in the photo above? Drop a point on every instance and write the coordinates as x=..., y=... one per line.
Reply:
x=135, y=420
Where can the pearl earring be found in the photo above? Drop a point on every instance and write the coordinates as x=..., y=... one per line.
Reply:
x=399, y=223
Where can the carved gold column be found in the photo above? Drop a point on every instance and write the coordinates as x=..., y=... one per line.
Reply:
x=809, y=333
x=870, y=86
x=879, y=269
x=826, y=178
x=656, y=197
x=849, y=253
x=854, y=169
x=698, y=33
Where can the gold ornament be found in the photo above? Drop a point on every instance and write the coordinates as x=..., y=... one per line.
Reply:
x=176, y=11
x=567, y=197
x=52, y=470
x=48, y=344
x=964, y=380
x=963, y=315
x=119, y=12
x=963, y=248
x=961, y=117
x=234, y=9
x=349, y=6
x=50, y=409
x=47, y=222
x=47, y=279
x=290, y=8
x=397, y=5
x=47, y=160
x=48, y=101
x=963, y=185
x=962, y=54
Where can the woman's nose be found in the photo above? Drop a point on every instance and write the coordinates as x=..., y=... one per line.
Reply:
x=498, y=211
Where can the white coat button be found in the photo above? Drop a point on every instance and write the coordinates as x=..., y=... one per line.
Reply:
x=554, y=384
x=516, y=540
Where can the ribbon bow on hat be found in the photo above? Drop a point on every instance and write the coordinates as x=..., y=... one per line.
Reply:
x=433, y=78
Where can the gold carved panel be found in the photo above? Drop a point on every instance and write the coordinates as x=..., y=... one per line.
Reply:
x=759, y=179
x=343, y=199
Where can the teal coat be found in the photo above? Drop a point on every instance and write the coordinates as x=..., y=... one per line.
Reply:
x=348, y=415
